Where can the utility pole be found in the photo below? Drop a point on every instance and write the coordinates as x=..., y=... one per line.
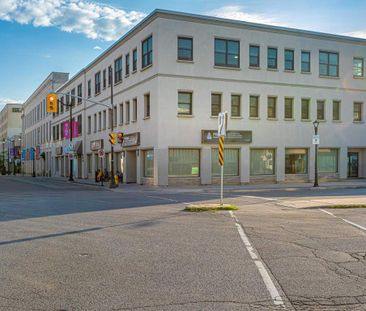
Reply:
x=71, y=158
x=13, y=156
x=34, y=157
x=112, y=184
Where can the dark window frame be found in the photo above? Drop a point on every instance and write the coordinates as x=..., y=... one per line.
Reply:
x=227, y=54
x=127, y=64
x=147, y=56
x=190, y=103
x=134, y=60
x=80, y=93
x=97, y=83
x=305, y=63
x=289, y=64
x=212, y=104
x=118, y=70
x=256, y=57
x=180, y=49
x=271, y=58
x=328, y=65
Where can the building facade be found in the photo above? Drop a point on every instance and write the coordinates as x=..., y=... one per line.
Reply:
x=174, y=72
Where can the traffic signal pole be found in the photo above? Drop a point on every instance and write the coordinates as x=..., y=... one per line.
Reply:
x=112, y=184
x=71, y=160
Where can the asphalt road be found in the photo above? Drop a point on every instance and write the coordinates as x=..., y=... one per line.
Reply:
x=74, y=247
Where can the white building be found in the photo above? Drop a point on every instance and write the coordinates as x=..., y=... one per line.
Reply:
x=174, y=72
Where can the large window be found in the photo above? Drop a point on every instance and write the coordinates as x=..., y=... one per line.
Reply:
x=289, y=59
x=271, y=107
x=134, y=60
x=227, y=53
x=289, y=108
x=296, y=161
x=262, y=162
x=272, y=58
x=104, y=78
x=149, y=163
x=231, y=167
x=80, y=93
x=357, y=111
x=147, y=57
x=305, y=109
x=185, y=48
x=235, y=105
x=215, y=104
x=328, y=160
x=127, y=64
x=254, y=56
x=184, y=162
x=336, y=110
x=254, y=106
x=328, y=64
x=118, y=70
x=358, y=67
x=320, y=110
x=97, y=83
x=184, y=103
x=305, y=61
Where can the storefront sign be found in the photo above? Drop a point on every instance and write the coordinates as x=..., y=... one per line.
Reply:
x=232, y=137
x=95, y=145
x=130, y=140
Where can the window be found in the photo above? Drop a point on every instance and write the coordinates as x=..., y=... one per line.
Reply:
x=215, y=104
x=305, y=109
x=89, y=88
x=305, y=61
x=231, y=167
x=134, y=60
x=184, y=103
x=320, y=110
x=147, y=105
x=227, y=53
x=104, y=79
x=95, y=122
x=62, y=104
x=118, y=70
x=100, y=121
x=289, y=108
x=357, y=111
x=67, y=101
x=254, y=56
x=115, y=116
x=73, y=97
x=147, y=57
x=104, y=119
x=97, y=83
x=89, y=124
x=127, y=62
x=296, y=161
x=254, y=106
x=80, y=127
x=289, y=60
x=235, y=105
x=262, y=161
x=109, y=75
x=127, y=112
x=272, y=58
x=80, y=93
x=357, y=67
x=89, y=161
x=134, y=113
x=271, y=107
x=328, y=160
x=336, y=110
x=121, y=114
x=149, y=163
x=185, y=48
x=328, y=64
x=184, y=163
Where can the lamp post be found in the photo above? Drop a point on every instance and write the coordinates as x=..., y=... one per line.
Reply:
x=316, y=125
x=71, y=132
x=20, y=162
x=13, y=141
x=34, y=157
x=8, y=149
x=112, y=183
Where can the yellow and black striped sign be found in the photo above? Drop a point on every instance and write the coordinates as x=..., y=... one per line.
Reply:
x=221, y=150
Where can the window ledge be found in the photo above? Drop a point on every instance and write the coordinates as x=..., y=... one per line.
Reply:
x=254, y=118
x=119, y=82
x=306, y=120
x=146, y=67
x=96, y=94
x=358, y=122
x=358, y=77
x=254, y=67
x=272, y=119
x=322, y=121
x=134, y=121
x=236, y=118
x=227, y=67
x=289, y=119
x=329, y=77
x=185, y=116
x=126, y=76
x=134, y=71
x=146, y=118
x=214, y=117
x=336, y=121
x=272, y=69
x=121, y=124
x=306, y=72
x=127, y=123
x=185, y=61
x=289, y=71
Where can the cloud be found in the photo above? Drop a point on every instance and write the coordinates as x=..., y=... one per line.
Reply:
x=357, y=34
x=94, y=20
x=97, y=48
x=4, y=101
x=237, y=12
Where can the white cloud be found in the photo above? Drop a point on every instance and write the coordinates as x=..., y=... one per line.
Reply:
x=357, y=34
x=96, y=21
x=237, y=12
x=4, y=101
x=97, y=48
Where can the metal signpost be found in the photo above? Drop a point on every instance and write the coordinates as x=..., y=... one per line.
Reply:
x=222, y=124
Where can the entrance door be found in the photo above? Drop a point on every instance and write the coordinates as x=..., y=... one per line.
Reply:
x=352, y=164
x=131, y=174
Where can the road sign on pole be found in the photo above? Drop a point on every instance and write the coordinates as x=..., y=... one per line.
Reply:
x=222, y=125
x=101, y=153
x=316, y=140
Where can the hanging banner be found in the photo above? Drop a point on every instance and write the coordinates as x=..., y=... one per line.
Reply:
x=67, y=129
x=38, y=153
x=31, y=154
x=24, y=154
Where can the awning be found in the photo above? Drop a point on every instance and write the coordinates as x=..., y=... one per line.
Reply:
x=78, y=148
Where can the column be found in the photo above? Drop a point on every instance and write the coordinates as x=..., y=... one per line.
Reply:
x=139, y=166
x=161, y=166
x=244, y=165
x=280, y=164
x=206, y=172
x=343, y=162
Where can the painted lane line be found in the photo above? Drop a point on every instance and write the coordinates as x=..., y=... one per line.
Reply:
x=276, y=297
x=345, y=220
x=257, y=197
x=166, y=199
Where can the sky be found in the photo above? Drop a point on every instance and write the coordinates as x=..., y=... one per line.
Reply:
x=41, y=36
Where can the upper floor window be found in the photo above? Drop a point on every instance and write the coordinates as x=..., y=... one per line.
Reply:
x=272, y=58
x=97, y=83
x=147, y=57
x=357, y=67
x=147, y=105
x=80, y=93
x=134, y=60
x=227, y=53
x=254, y=106
x=134, y=108
x=127, y=112
x=89, y=88
x=271, y=107
x=235, y=105
x=127, y=61
x=109, y=75
x=305, y=109
x=328, y=64
x=357, y=111
x=305, y=61
x=185, y=48
x=289, y=108
x=104, y=79
x=73, y=97
x=184, y=103
x=118, y=70
x=289, y=59
x=320, y=110
x=336, y=110
x=254, y=56
x=215, y=104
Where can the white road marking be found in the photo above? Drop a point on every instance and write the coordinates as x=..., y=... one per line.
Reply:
x=276, y=297
x=345, y=220
x=166, y=199
x=261, y=198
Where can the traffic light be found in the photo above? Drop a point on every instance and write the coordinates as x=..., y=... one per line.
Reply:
x=120, y=137
x=112, y=138
x=51, y=103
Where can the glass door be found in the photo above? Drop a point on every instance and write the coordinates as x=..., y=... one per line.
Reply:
x=352, y=164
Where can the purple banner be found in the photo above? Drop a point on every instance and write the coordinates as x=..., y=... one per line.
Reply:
x=67, y=129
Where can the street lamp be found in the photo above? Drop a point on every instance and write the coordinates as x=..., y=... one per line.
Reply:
x=3, y=166
x=13, y=141
x=34, y=157
x=316, y=125
x=20, y=162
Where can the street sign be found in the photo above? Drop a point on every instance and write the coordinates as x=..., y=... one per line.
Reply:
x=101, y=153
x=221, y=151
x=71, y=156
x=222, y=124
x=316, y=140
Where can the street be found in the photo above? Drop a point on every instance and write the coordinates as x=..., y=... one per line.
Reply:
x=67, y=246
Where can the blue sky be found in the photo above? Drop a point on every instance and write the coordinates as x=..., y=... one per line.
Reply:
x=40, y=36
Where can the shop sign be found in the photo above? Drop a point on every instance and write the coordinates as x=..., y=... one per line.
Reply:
x=95, y=145
x=232, y=137
x=130, y=140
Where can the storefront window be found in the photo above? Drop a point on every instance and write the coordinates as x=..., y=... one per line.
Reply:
x=296, y=161
x=149, y=163
x=231, y=159
x=89, y=157
x=184, y=162
x=328, y=160
x=262, y=162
